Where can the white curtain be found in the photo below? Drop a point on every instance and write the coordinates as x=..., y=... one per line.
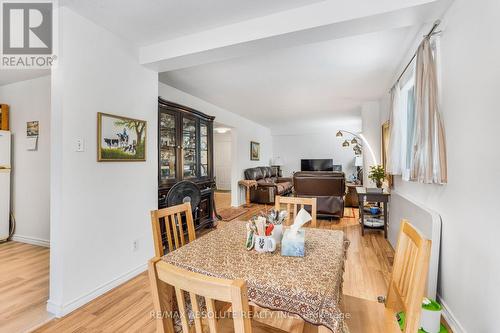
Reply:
x=429, y=164
x=394, y=154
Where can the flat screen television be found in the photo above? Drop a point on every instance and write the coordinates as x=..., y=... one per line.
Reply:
x=316, y=165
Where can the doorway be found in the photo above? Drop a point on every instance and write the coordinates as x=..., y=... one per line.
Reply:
x=223, y=143
x=25, y=146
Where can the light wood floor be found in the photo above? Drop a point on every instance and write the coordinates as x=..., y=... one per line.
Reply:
x=127, y=307
x=24, y=286
x=223, y=199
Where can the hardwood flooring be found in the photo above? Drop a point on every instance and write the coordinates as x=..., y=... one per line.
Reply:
x=24, y=286
x=222, y=199
x=127, y=308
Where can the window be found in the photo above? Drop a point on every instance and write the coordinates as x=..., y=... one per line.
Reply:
x=409, y=130
x=406, y=116
x=410, y=109
x=407, y=105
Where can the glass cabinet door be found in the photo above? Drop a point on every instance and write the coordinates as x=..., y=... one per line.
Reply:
x=168, y=147
x=189, y=151
x=204, y=149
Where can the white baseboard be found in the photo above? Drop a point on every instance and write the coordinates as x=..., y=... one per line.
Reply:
x=54, y=309
x=30, y=240
x=60, y=310
x=450, y=318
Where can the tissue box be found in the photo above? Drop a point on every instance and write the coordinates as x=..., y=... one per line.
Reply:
x=293, y=247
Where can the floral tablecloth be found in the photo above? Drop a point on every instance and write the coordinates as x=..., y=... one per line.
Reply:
x=310, y=287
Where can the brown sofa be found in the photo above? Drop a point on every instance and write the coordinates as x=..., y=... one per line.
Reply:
x=328, y=187
x=268, y=184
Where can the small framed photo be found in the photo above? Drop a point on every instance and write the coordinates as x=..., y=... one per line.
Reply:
x=120, y=138
x=254, y=151
x=32, y=129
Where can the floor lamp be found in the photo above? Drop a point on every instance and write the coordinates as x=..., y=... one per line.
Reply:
x=358, y=145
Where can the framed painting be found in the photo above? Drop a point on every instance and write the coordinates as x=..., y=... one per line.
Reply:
x=254, y=151
x=32, y=129
x=120, y=138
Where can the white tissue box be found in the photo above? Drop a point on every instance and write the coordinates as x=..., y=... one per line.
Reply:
x=293, y=247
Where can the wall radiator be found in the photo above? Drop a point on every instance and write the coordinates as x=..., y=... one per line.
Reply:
x=425, y=220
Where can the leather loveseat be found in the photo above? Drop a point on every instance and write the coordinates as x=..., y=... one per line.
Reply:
x=327, y=186
x=268, y=184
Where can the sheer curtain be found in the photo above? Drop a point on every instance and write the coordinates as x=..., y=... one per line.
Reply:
x=429, y=164
x=394, y=154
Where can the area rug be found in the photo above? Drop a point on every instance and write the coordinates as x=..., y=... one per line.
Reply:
x=228, y=214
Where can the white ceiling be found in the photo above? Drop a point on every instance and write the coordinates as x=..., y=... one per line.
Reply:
x=147, y=21
x=314, y=83
x=306, y=85
x=16, y=75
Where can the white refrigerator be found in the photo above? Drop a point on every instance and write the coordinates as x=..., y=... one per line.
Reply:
x=5, y=138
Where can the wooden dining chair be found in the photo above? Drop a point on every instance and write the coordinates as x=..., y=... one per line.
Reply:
x=405, y=292
x=294, y=204
x=198, y=287
x=168, y=229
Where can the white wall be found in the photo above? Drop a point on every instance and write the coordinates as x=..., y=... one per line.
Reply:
x=222, y=160
x=372, y=132
x=469, y=268
x=30, y=101
x=293, y=148
x=98, y=209
x=242, y=130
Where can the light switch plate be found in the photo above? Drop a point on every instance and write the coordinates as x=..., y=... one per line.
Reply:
x=80, y=145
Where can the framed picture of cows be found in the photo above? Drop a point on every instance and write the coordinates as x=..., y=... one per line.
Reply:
x=120, y=139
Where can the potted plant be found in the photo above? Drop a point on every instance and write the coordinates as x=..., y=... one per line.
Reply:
x=377, y=174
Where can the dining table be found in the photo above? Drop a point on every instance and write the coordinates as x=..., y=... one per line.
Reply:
x=309, y=287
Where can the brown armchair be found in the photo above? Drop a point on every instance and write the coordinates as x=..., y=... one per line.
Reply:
x=328, y=187
x=268, y=184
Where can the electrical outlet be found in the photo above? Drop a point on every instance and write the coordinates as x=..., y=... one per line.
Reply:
x=80, y=145
x=135, y=245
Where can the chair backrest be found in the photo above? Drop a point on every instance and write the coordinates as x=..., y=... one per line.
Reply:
x=212, y=289
x=168, y=228
x=409, y=275
x=293, y=206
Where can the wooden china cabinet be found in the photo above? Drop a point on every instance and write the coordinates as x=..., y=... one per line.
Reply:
x=185, y=152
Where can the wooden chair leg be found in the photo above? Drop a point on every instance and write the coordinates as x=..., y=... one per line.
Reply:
x=162, y=295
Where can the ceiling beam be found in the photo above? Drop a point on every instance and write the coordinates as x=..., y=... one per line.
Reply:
x=326, y=20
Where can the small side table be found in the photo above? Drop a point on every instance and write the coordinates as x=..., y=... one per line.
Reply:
x=351, y=197
x=247, y=184
x=364, y=196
